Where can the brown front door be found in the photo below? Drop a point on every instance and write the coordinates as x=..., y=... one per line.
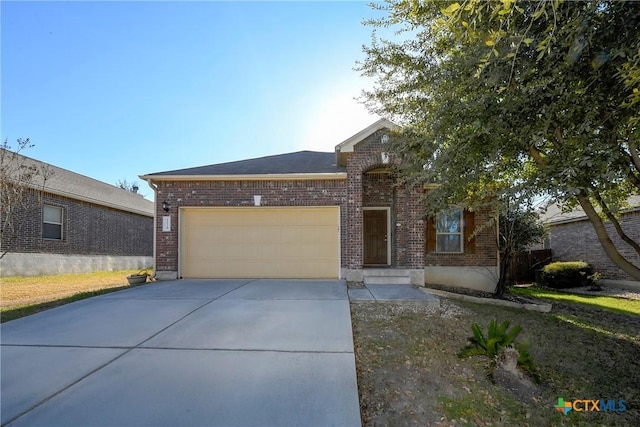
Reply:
x=375, y=236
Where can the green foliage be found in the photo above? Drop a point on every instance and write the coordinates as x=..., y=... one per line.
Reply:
x=497, y=98
x=499, y=337
x=519, y=228
x=526, y=362
x=571, y=274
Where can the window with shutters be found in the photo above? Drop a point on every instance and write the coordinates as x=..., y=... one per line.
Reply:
x=52, y=223
x=451, y=232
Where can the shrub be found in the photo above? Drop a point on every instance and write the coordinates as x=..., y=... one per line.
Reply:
x=499, y=337
x=572, y=274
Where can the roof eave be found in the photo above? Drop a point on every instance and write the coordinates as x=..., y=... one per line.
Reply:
x=249, y=177
x=95, y=201
x=560, y=221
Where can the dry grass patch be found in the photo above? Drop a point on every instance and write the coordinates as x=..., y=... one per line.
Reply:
x=409, y=375
x=25, y=291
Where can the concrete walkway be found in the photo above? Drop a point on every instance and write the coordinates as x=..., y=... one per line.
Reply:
x=394, y=294
x=188, y=352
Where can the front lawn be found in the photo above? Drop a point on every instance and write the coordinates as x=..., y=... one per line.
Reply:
x=408, y=372
x=618, y=305
x=22, y=296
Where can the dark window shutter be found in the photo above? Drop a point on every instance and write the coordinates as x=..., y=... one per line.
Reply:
x=431, y=235
x=469, y=228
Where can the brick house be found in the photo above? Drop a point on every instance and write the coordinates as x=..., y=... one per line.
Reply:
x=341, y=214
x=77, y=224
x=572, y=238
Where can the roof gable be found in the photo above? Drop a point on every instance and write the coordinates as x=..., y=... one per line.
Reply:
x=348, y=145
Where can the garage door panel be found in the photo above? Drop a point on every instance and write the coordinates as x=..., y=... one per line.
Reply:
x=260, y=242
x=273, y=252
x=269, y=218
x=211, y=234
x=223, y=270
x=269, y=234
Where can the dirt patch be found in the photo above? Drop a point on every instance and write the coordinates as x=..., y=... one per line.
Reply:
x=402, y=366
x=409, y=375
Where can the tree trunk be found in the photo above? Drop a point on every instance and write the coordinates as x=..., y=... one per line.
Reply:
x=608, y=246
x=505, y=276
x=616, y=224
x=601, y=232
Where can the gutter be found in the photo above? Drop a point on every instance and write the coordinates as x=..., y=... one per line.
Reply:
x=97, y=202
x=249, y=177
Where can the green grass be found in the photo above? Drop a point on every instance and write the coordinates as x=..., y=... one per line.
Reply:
x=616, y=305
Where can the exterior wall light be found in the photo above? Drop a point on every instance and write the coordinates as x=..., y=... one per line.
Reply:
x=166, y=205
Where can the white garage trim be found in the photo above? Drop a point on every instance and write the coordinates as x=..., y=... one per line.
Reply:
x=259, y=242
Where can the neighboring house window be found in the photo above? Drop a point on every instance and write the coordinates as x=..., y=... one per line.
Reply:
x=52, y=223
x=449, y=233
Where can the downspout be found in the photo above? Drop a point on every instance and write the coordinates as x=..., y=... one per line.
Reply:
x=155, y=221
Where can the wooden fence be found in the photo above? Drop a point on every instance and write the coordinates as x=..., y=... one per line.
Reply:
x=525, y=264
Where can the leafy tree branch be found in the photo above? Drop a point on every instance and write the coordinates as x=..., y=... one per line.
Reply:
x=528, y=98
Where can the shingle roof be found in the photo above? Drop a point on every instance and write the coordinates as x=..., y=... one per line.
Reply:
x=75, y=186
x=554, y=215
x=301, y=162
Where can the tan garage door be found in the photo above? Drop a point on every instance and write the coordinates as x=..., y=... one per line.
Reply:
x=260, y=242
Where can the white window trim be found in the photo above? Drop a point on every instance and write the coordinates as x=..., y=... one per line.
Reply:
x=61, y=223
x=458, y=233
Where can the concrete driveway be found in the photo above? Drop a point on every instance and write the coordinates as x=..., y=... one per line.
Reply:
x=188, y=352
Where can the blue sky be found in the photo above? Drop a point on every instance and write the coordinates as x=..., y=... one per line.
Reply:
x=113, y=90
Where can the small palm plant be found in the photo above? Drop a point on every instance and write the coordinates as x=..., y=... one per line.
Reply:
x=499, y=337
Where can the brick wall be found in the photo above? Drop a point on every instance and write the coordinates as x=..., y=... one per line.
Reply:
x=415, y=227
x=378, y=190
x=577, y=241
x=485, y=245
x=369, y=188
x=238, y=193
x=88, y=229
x=364, y=187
